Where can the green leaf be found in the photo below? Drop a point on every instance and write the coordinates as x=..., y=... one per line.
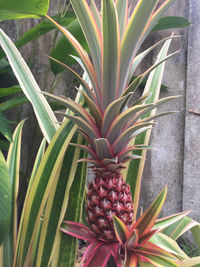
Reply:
x=132, y=36
x=196, y=234
x=10, y=90
x=44, y=181
x=67, y=248
x=13, y=163
x=111, y=53
x=171, y=22
x=11, y=9
x=5, y=129
x=168, y=244
x=5, y=196
x=13, y=102
x=57, y=204
x=63, y=49
x=122, y=10
x=44, y=113
x=145, y=223
x=121, y=230
x=91, y=32
x=134, y=170
x=180, y=227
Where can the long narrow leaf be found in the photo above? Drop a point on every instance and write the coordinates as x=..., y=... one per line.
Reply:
x=134, y=170
x=44, y=114
x=43, y=182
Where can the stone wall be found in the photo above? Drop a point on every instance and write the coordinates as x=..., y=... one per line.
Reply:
x=177, y=160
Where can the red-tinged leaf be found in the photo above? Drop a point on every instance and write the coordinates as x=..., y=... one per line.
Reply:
x=133, y=239
x=151, y=249
x=103, y=148
x=99, y=258
x=77, y=230
x=91, y=250
x=121, y=230
x=160, y=261
x=115, y=254
x=131, y=260
x=168, y=244
x=162, y=223
x=81, y=80
x=178, y=228
x=110, y=67
x=122, y=10
x=147, y=220
x=145, y=237
x=91, y=31
x=82, y=54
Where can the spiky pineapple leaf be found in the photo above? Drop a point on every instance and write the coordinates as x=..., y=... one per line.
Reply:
x=111, y=53
x=122, y=10
x=134, y=31
x=121, y=230
x=91, y=31
x=133, y=173
x=168, y=244
x=147, y=220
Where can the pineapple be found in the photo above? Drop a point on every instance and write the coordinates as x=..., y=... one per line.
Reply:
x=111, y=121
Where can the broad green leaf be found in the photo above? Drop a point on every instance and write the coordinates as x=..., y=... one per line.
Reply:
x=10, y=90
x=44, y=113
x=13, y=163
x=57, y=204
x=13, y=102
x=163, y=223
x=5, y=197
x=110, y=53
x=67, y=244
x=193, y=262
x=35, y=201
x=169, y=245
x=11, y=9
x=5, y=128
x=145, y=223
x=133, y=173
x=171, y=22
x=180, y=227
x=196, y=234
x=91, y=31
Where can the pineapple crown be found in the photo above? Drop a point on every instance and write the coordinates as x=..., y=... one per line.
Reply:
x=114, y=37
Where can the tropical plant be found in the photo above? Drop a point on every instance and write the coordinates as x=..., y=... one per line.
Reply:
x=110, y=126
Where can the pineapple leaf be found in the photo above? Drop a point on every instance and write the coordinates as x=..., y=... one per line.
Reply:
x=91, y=31
x=121, y=230
x=82, y=54
x=138, y=21
x=118, y=124
x=155, y=18
x=147, y=220
x=169, y=220
x=112, y=112
x=103, y=148
x=122, y=10
x=138, y=59
x=81, y=80
x=137, y=81
x=150, y=249
x=110, y=53
x=96, y=113
x=131, y=260
x=92, y=133
x=77, y=230
x=128, y=134
x=96, y=14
